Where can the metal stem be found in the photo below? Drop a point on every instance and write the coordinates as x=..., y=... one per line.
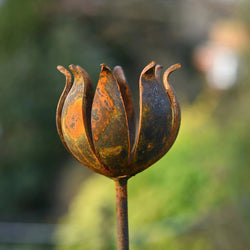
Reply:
x=122, y=214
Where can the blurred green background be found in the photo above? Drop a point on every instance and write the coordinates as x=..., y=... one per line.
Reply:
x=198, y=195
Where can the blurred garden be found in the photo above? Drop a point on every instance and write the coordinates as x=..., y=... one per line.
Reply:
x=197, y=197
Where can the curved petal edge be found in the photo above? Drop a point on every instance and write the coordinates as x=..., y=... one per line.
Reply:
x=68, y=85
x=154, y=122
x=109, y=123
x=176, y=113
x=74, y=124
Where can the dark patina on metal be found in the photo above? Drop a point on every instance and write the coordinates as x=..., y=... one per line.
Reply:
x=99, y=129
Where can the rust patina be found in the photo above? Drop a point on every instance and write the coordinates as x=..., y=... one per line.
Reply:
x=99, y=128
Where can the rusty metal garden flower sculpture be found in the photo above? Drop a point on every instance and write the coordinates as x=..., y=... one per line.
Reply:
x=99, y=129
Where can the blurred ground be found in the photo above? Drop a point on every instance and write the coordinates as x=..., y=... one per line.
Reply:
x=196, y=197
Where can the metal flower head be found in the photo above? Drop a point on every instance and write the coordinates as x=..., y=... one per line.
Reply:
x=99, y=129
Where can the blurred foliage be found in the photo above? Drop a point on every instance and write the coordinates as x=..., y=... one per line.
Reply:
x=31, y=46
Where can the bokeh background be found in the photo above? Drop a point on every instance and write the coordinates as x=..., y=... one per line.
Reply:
x=198, y=195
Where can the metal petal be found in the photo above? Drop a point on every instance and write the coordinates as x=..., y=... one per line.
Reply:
x=68, y=85
x=158, y=69
x=154, y=122
x=109, y=123
x=176, y=114
x=75, y=121
x=128, y=102
x=88, y=96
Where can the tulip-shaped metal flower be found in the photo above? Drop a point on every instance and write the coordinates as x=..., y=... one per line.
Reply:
x=99, y=129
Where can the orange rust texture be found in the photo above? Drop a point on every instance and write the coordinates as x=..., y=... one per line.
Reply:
x=109, y=124
x=74, y=121
x=74, y=126
x=99, y=130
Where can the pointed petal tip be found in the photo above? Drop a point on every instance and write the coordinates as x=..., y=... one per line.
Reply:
x=170, y=70
x=84, y=74
x=74, y=71
x=173, y=68
x=67, y=74
x=149, y=69
x=117, y=67
x=72, y=67
x=176, y=66
x=80, y=69
x=104, y=67
x=158, y=66
x=119, y=74
x=62, y=69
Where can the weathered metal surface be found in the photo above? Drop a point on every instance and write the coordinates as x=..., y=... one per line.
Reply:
x=99, y=129
x=109, y=124
x=154, y=121
x=68, y=85
x=75, y=120
x=128, y=102
x=122, y=214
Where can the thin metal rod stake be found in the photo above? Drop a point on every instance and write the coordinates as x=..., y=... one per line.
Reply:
x=122, y=214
